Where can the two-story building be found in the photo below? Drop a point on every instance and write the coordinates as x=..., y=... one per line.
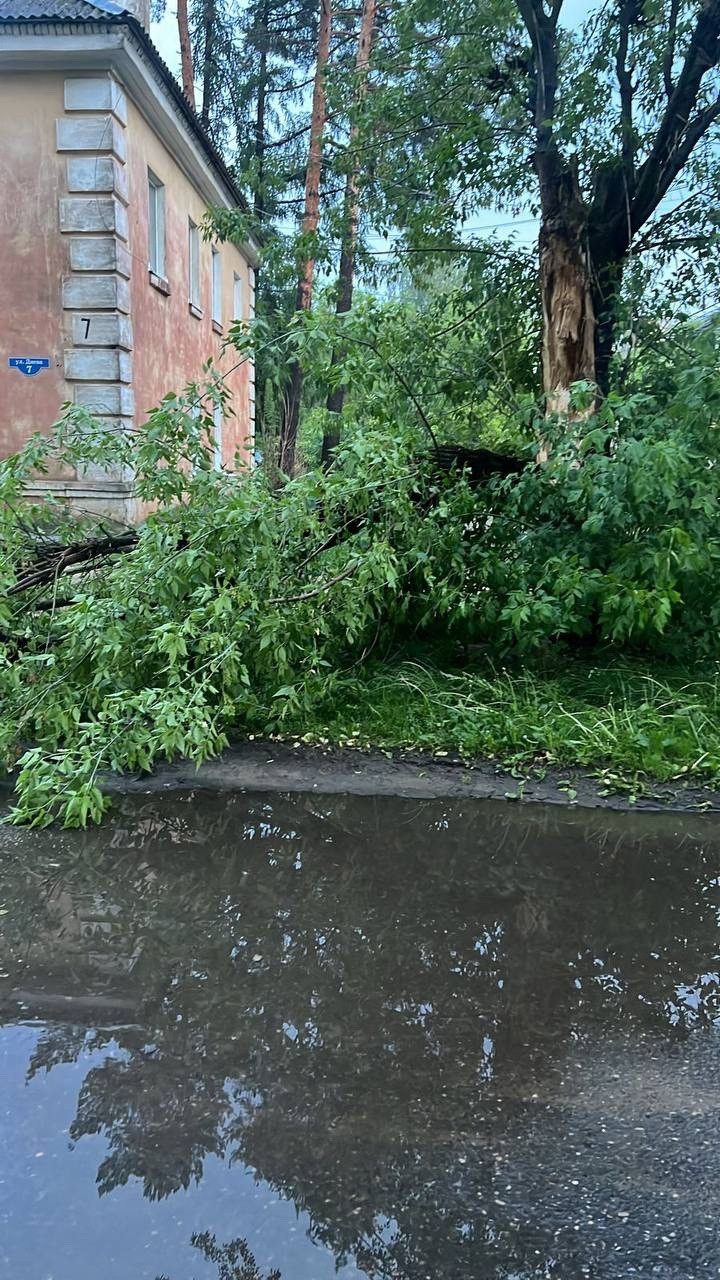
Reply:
x=110, y=296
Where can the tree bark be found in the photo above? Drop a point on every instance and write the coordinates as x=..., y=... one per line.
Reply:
x=311, y=214
x=209, y=19
x=259, y=200
x=186, y=58
x=259, y=194
x=568, y=349
x=262, y=42
x=311, y=218
x=607, y=279
x=568, y=353
x=351, y=218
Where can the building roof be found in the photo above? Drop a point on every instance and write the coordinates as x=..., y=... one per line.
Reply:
x=58, y=10
x=107, y=11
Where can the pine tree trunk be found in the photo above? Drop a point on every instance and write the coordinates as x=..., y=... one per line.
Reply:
x=260, y=109
x=311, y=218
x=186, y=59
x=351, y=218
x=258, y=199
x=259, y=191
x=346, y=274
x=311, y=215
x=209, y=18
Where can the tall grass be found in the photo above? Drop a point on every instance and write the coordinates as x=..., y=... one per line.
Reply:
x=623, y=722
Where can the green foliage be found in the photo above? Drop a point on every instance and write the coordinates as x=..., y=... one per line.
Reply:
x=240, y=606
x=230, y=610
x=449, y=132
x=461, y=351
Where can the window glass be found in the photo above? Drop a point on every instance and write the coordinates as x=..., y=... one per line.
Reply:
x=156, y=198
x=216, y=286
x=237, y=297
x=193, y=263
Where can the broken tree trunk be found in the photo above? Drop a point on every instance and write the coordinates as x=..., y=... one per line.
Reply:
x=311, y=218
x=568, y=353
x=568, y=313
x=584, y=245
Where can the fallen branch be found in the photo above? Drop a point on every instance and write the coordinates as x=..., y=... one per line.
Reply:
x=52, y=563
x=317, y=591
x=75, y=558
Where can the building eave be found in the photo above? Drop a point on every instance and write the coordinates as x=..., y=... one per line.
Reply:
x=124, y=48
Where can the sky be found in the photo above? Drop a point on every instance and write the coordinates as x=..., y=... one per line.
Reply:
x=165, y=37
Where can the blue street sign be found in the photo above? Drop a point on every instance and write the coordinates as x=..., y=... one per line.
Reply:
x=28, y=365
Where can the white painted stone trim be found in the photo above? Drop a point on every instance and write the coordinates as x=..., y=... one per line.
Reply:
x=98, y=364
x=251, y=365
x=76, y=490
x=96, y=93
x=94, y=213
x=95, y=293
x=105, y=398
x=91, y=133
x=100, y=253
x=97, y=174
x=116, y=475
x=96, y=301
x=108, y=496
x=101, y=329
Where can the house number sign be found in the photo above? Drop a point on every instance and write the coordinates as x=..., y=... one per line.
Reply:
x=28, y=365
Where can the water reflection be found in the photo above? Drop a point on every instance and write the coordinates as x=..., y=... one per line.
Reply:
x=234, y=1260
x=468, y=1040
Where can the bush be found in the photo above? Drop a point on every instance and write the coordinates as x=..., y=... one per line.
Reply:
x=616, y=538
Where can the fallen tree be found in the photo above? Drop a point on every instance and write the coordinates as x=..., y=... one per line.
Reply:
x=238, y=608
x=51, y=561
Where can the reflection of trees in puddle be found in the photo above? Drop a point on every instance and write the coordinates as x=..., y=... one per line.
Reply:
x=234, y=1260
x=354, y=998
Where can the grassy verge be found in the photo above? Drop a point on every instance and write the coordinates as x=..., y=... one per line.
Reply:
x=627, y=724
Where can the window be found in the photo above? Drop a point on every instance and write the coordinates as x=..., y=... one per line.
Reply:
x=156, y=192
x=193, y=264
x=216, y=286
x=237, y=297
x=217, y=436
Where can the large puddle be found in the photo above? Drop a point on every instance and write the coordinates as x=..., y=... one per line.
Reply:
x=368, y=1038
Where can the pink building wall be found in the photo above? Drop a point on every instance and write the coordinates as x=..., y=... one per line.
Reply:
x=171, y=344
x=74, y=282
x=34, y=256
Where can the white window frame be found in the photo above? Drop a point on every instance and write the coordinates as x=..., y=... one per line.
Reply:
x=156, y=225
x=238, y=297
x=216, y=286
x=193, y=264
